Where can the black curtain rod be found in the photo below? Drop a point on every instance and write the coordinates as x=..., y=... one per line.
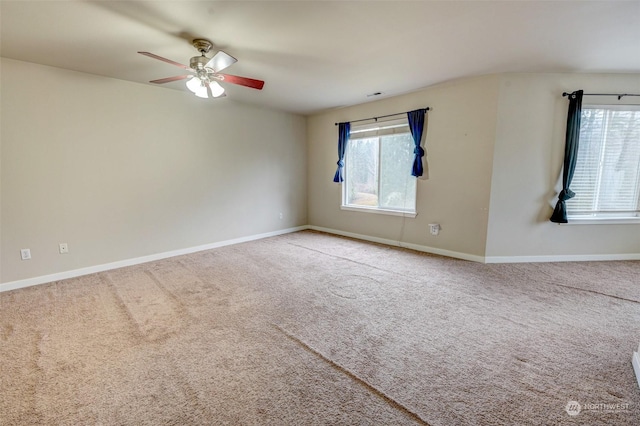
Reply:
x=619, y=95
x=383, y=116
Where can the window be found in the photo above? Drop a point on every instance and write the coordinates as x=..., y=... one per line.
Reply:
x=607, y=175
x=378, y=161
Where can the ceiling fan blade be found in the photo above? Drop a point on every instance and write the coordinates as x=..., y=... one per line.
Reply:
x=220, y=61
x=242, y=81
x=160, y=58
x=170, y=79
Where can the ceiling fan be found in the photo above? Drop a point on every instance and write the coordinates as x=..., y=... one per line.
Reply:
x=205, y=72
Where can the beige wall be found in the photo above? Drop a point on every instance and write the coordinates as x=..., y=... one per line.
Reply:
x=459, y=144
x=495, y=146
x=120, y=170
x=529, y=151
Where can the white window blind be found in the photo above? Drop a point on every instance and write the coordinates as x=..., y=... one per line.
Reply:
x=387, y=127
x=607, y=175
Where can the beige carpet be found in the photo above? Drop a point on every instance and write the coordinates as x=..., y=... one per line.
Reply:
x=308, y=328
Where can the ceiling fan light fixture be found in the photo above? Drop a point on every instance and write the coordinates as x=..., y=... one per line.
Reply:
x=193, y=84
x=197, y=87
x=216, y=89
x=202, y=93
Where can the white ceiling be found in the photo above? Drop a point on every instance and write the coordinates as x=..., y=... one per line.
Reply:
x=315, y=55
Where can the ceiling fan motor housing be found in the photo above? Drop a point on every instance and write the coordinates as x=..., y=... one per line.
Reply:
x=198, y=62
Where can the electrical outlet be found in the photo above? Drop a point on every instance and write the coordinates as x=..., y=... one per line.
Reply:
x=434, y=228
x=281, y=215
x=64, y=248
x=25, y=254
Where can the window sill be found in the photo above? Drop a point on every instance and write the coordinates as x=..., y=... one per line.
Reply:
x=603, y=221
x=379, y=211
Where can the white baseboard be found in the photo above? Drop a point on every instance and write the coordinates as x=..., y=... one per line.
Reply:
x=484, y=259
x=417, y=247
x=13, y=285
x=562, y=258
x=635, y=360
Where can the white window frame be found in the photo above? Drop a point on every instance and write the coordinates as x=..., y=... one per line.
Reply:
x=371, y=130
x=599, y=218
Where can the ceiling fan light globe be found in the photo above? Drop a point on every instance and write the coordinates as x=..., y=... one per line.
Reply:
x=194, y=84
x=198, y=87
x=202, y=92
x=216, y=89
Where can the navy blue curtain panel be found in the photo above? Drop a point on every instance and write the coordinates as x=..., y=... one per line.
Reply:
x=416, y=124
x=344, y=129
x=570, y=156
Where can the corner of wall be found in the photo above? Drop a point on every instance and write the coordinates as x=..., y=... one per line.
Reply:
x=460, y=138
x=527, y=157
x=107, y=176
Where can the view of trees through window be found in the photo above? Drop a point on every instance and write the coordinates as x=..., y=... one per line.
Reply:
x=378, y=172
x=607, y=175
